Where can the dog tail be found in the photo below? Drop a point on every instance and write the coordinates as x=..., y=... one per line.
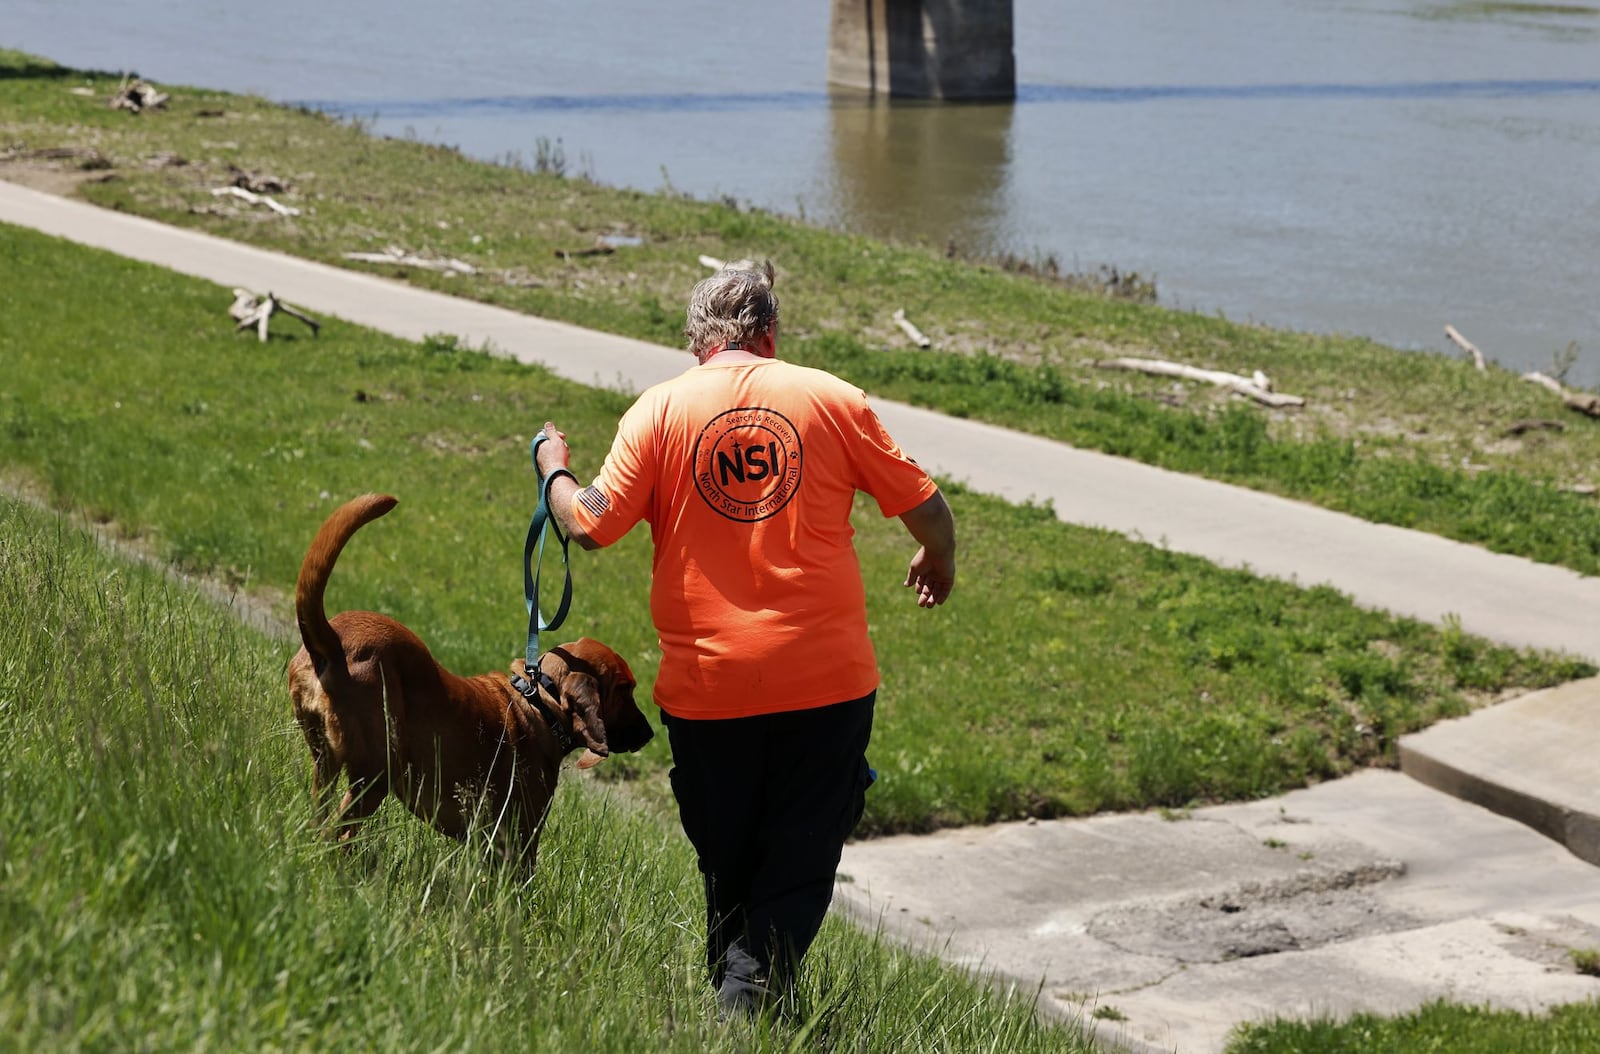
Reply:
x=321, y=642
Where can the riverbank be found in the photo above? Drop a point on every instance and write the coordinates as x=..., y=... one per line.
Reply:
x=1413, y=439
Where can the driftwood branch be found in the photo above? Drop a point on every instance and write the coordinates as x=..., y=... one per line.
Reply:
x=910, y=330
x=747, y=263
x=400, y=258
x=1523, y=427
x=137, y=96
x=256, y=199
x=258, y=183
x=1545, y=382
x=1467, y=346
x=597, y=249
x=249, y=311
x=1258, y=387
x=1586, y=403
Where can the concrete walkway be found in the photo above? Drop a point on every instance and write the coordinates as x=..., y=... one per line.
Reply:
x=1371, y=892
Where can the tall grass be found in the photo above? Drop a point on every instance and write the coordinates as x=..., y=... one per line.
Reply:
x=160, y=888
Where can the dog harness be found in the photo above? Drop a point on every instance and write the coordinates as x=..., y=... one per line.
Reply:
x=530, y=691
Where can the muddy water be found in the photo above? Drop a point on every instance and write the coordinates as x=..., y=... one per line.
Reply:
x=1378, y=167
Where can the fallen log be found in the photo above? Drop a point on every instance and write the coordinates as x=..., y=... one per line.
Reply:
x=1258, y=387
x=1545, y=382
x=911, y=331
x=745, y=264
x=137, y=96
x=256, y=199
x=256, y=183
x=593, y=250
x=1467, y=346
x=1521, y=428
x=400, y=258
x=1586, y=403
x=250, y=310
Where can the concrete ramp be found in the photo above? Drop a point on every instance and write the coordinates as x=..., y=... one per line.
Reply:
x=1535, y=759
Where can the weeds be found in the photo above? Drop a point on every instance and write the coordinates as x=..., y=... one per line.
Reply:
x=549, y=158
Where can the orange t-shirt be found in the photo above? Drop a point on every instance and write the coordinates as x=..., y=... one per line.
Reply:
x=746, y=472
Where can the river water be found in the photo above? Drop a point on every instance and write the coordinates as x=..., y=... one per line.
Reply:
x=1372, y=167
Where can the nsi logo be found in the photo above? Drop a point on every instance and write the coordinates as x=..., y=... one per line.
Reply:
x=747, y=463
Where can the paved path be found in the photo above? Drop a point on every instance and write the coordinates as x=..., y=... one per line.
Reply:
x=1374, y=891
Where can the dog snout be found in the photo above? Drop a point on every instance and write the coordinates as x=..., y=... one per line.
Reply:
x=636, y=733
x=629, y=728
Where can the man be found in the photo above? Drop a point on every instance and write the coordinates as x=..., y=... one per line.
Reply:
x=746, y=467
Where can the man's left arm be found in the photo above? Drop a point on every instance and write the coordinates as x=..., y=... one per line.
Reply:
x=933, y=570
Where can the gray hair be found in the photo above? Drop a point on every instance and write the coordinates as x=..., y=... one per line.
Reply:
x=735, y=304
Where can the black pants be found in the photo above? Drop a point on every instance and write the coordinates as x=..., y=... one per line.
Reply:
x=768, y=802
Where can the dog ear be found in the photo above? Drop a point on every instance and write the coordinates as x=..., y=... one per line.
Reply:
x=582, y=695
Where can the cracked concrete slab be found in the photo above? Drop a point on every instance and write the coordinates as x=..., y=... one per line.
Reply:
x=1369, y=893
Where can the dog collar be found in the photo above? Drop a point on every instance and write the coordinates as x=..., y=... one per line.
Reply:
x=530, y=691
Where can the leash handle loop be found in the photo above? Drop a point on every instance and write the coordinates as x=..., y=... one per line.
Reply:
x=533, y=557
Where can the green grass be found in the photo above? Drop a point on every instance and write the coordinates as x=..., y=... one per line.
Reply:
x=1419, y=440
x=160, y=888
x=1442, y=1027
x=1074, y=672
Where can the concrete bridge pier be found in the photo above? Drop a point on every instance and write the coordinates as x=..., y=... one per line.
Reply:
x=924, y=49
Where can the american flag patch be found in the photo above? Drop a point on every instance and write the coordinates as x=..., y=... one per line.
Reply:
x=594, y=499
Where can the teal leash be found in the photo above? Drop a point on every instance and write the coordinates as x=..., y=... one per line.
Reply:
x=533, y=558
x=532, y=564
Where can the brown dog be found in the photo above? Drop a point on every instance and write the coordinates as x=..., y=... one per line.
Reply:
x=373, y=703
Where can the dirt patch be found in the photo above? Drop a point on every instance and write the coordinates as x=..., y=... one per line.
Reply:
x=1550, y=942
x=50, y=177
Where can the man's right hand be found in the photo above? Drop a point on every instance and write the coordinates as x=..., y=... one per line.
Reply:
x=553, y=453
